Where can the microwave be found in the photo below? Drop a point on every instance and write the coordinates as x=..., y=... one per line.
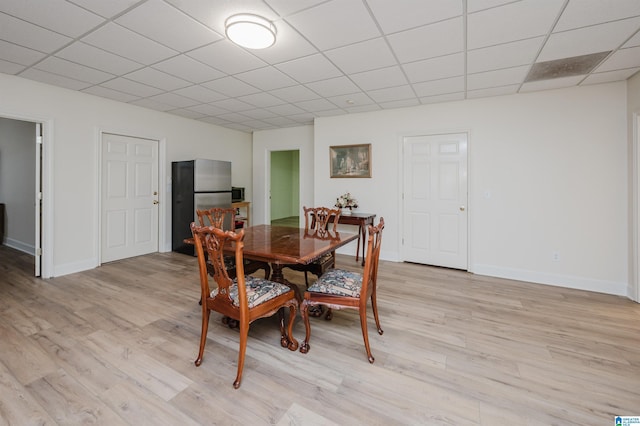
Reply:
x=237, y=194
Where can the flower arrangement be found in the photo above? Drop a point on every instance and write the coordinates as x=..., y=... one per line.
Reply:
x=346, y=201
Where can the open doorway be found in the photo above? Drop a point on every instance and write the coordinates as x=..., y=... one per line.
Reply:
x=285, y=188
x=21, y=156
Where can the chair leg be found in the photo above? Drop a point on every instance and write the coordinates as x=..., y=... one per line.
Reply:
x=292, y=343
x=304, y=312
x=267, y=272
x=374, y=306
x=365, y=334
x=203, y=335
x=306, y=279
x=244, y=333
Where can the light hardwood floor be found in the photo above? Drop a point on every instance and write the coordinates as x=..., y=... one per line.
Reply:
x=116, y=345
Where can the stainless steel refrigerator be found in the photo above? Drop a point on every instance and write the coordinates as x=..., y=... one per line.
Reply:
x=196, y=184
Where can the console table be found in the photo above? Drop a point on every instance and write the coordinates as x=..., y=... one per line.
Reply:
x=361, y=220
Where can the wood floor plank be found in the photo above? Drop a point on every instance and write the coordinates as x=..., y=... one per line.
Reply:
x=117, y=344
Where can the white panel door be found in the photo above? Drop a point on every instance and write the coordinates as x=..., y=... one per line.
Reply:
x=129, y=197
x=435, y=200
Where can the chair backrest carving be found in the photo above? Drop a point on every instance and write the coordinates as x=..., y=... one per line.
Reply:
x=321, y=219
x=216, y=217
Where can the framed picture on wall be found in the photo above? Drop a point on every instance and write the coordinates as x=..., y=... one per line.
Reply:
x=350, y=161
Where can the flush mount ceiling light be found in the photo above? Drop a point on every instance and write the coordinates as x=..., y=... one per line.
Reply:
x=250, y=31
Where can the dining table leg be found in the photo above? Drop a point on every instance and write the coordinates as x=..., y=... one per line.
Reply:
x=278, y=276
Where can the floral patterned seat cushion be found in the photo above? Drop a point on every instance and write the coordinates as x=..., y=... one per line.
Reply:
x=259, y=290
x=338, y=282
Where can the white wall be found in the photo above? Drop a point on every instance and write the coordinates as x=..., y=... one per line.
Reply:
x=633, y=118
x=17, y=182
x=73, y=122
x=555, y=163
x=265, y=141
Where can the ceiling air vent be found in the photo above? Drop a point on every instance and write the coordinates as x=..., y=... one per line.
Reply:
x=566, y=67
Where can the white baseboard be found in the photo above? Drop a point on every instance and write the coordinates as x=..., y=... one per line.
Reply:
x=19, y=245
x=579, y=283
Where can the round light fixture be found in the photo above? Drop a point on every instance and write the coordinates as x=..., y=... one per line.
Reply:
x=250, y=31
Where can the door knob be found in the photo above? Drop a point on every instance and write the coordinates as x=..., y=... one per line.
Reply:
x=461, y=208
x=156, y=202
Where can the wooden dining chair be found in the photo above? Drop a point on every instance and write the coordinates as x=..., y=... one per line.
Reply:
x=218, y=216
x=322, y=220
x=244, y=298
x=338, y=289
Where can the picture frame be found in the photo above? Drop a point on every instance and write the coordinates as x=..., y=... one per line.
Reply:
x=350, y=161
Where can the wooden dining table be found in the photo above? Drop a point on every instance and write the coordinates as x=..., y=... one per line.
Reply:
x=283, y=245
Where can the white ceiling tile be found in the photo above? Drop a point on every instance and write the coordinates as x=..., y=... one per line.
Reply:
x=333, y=87
x=18, y=54
x=476, y=5
x=207, y=109
x=447, y=97
x=328, y=112
x=335, y=23
x=231, y=87
x=295, y=94
x=504, y=55
x=394, y=16
x=310, y=68
x=435, y=68
x=234, y=116
x=497, y=78
x=392, y=94
x=28, y=35
x=104, y=8
x=316, y=105
x=608, y=76
x=69, y=69
x=594, y=39
x=56, y=15
x=623, y=58
x=7, y=67
x=287, y=7
x=289, y=45
x=439, y=87
x=54, y=79
x=493, y=91
x=400, y=104
x=511, y=22
x=267, y=78
x=363, y=108
x=85, y=54
x=357, y=57
x=115, y=95
x=187, y=113
x=280, y=121
x=259, y=113
x=442, y=38
x=131, y=87
x=589, y=12
x=189, y=69
x=169, y=26
x=176, y=101
x=261, y=100
x=200, y=93
x=351, y=100
x=148, y=103
x=284, y=109
x=159, y=79
x=378, y=79
x=633, y=41
x=236, y=59
x=232, y=104
x=121, y=41
x=555, y=83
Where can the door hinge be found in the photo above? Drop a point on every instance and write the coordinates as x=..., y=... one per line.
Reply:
x=38, y=251
x=39, y=140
